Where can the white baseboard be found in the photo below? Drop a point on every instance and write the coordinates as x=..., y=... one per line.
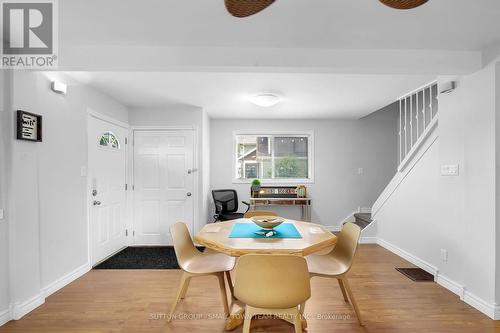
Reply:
x=368, y=240
x=65, y=280
x=5, y=316
x=451, y=285
x=488, y=309
x=21, y=309
x=408, y=256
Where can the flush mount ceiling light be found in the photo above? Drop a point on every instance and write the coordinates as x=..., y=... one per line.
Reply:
x=265, y=100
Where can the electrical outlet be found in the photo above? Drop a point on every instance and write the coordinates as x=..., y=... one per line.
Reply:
x=444, y=255
x=449, y=170
x=360, y=171
x=83, y=171
x=1, y=214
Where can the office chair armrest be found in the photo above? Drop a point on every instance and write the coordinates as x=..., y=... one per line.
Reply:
x=248, y=205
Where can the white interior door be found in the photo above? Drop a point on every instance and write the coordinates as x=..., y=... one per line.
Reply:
x=163, y=184
x=107, y=175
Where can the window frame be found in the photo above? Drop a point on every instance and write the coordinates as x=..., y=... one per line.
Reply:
x=284, y=181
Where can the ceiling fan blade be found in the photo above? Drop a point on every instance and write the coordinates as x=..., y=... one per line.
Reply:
x=403, y=4
x=244, y=8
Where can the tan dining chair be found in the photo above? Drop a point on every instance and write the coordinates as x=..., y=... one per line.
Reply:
x=252, y=213
x=272, y=285
x=195, y=263
x=337, y=263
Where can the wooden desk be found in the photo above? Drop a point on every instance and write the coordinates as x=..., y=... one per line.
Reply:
x=303, y=203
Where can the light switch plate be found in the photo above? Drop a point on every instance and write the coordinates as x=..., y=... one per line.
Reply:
x=1, y=214
x=449, y=170
x=444, y=255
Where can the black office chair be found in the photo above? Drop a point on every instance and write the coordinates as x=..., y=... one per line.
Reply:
x=226, y=205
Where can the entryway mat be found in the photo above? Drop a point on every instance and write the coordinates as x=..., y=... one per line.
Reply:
x=142, y=258
x=416, y=274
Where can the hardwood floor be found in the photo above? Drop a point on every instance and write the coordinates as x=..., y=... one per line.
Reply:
x=137, y=301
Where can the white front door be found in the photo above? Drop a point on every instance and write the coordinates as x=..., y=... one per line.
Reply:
x=107, y=179
x=163, y=184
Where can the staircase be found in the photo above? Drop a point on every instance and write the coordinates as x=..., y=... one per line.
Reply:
x=363, y=219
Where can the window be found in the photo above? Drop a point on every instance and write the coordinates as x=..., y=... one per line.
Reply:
x=109, y=140
x=280, y=157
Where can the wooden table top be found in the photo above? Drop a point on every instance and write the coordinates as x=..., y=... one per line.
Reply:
x=315, y=237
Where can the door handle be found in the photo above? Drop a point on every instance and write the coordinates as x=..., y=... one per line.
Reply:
x=97, y=203
x=188, y=194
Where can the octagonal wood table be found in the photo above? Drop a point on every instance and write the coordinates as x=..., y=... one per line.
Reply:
x=215, y=236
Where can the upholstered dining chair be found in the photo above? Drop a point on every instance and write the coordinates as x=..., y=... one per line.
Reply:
x=272, y=285
x=252, y=213
x=195, y=263
x=337, y=263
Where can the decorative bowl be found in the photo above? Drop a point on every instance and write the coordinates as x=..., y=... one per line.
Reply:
x=267, y=222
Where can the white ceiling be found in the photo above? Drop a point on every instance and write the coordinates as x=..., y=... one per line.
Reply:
x=339, y=24
x=354, y=43
x=225, y=95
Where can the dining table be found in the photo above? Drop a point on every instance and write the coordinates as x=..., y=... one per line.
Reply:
x=309, y=238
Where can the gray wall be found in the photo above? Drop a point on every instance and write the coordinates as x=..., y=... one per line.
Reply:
x=5, y=91
x=341, y=147
x=47, y=199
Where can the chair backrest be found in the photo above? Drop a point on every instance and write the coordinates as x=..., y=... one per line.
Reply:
x=347, y=244
x=272, y=281
x=226, y=199
x=252, y=213
x=183, y=244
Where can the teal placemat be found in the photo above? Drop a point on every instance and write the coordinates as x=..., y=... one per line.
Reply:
x=247, y=230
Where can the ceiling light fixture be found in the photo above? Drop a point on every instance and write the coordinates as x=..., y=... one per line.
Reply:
x=265, y=100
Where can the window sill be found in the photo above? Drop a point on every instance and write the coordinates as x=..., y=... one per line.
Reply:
x=275, y=181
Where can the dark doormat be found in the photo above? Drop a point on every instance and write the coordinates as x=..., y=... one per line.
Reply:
x=142, y=258
x=416, y=274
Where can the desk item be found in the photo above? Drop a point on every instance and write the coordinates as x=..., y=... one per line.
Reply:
x=283, y=196
x=267, y=222
x=250, y=230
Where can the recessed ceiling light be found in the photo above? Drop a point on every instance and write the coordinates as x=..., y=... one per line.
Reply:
x=265, y=100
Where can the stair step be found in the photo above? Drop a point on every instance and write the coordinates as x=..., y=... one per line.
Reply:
x=363, y=219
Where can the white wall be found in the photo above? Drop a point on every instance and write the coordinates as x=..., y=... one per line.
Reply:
x=47, y=211
x=429, y=212
x=341, y=147
x=181, y=116
x=5, y=90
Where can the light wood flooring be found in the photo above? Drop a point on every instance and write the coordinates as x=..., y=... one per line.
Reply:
x=137, y=301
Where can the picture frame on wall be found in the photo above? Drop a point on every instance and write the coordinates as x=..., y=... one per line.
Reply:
x=29, y=126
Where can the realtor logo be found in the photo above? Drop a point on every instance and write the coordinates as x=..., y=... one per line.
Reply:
x=29, y=34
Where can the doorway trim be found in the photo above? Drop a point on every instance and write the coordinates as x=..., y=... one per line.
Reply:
x=94, y=114
x=196, y=181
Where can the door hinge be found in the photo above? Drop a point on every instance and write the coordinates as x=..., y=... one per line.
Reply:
x=133, y=233
x=126, y=187
x=126, y=141
x=126, y=232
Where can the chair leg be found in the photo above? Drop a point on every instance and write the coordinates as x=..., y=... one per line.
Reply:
x=230, y=283
x=248, y=320
x=185, y=288
x=222, y=285
x=342, y=288
x=182, y=284
x=297, y=321
x=353, y=301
